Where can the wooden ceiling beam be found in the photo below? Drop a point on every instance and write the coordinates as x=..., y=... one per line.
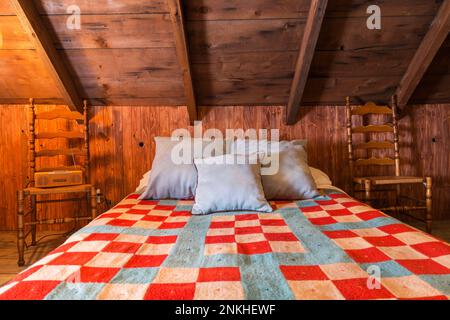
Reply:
x=31, y=21
x=305, y=57
x=424, y=55
x=181, y=44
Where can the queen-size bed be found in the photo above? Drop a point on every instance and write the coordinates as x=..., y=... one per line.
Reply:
x=329, y=247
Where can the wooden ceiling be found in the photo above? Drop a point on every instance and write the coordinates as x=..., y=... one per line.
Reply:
x=240, y=52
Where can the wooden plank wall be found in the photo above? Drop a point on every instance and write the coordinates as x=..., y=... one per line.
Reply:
x=122, y=146
x=242, y=52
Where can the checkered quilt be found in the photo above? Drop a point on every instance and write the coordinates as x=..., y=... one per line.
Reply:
x=332, y=247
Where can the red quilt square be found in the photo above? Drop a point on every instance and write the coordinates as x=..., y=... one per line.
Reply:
x=27, y=273
x=154, y=218
x=337, y=234
x=65, y=247
x=164, y=207
x=161, y=239
x=338, y=196
x=384, y=241
x=273, y=222
x=396, y=228
x=367, y=255
x=29, y=290
x=124, y=206
x=172, y=225
x=133, y=196
x=181, y=214
x=433, y=249
x=322, y=221
x=110, y=215
x=325, y=202
x=73, y=258
x=98, y=275
x=139, y=261
x=369, y=215
x=357, y=289
x=339, y=212
x=219, y=274
x=148, y=202
x=424, y=266
x=243, y=217
x=121, y=223
x=122, y=247
x=280, y=237
x=248, y=230
x=101, y=237
x=137, y=211
x=351, y=204
x=220, y=239
x=303, y=273
x=221, y=224
x=254, y=247
x=311, y=209
x=172, y=291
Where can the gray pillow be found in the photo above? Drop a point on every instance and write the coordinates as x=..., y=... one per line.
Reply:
x=285, y=173
x=226, y=185
x=172, y=177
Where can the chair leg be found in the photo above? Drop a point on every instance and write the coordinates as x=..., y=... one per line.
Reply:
x=20, y=228
x=93, y=203
x=429, y=216
x=33, y=219
x=368, y=191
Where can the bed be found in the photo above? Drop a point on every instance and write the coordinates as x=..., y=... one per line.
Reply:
x=331, y=247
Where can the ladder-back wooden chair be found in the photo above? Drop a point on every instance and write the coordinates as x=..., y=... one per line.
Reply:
x=367, y=184
x=33, y=192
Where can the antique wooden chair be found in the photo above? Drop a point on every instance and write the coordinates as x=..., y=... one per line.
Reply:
x=366, y=183
x=80, y=120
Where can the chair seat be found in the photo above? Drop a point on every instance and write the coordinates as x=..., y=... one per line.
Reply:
x=385, y=180
x=58, y=190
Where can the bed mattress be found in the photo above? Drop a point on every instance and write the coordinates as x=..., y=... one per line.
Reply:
x=332, y=247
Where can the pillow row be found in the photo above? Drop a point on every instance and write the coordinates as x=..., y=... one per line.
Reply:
x=232, y=181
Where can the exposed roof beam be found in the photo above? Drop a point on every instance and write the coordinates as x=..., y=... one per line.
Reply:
x=424, y=55
x=305, y=56
x=29, y=17
x=176, y=14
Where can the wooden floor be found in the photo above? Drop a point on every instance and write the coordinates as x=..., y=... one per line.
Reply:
x=8, y=249
x=8, y=253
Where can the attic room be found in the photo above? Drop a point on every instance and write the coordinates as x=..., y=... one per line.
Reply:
x=224, y=149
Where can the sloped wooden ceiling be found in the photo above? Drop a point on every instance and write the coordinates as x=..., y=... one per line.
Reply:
x=241, y=52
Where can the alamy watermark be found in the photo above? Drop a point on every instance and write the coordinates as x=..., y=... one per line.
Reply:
x=236, y=146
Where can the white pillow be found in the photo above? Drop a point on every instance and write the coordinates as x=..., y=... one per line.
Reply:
x=320, y=177
x=226, y=185
x=285, y=171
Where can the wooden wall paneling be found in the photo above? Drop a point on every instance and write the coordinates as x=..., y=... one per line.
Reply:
x=114, y=31
x=430, y=45
x=392, y=8
x=118, y=162
x=59, y=7
x=13, y=35
x=246, y=10
x=42, y=42
x=13, y=156
x=244, y=36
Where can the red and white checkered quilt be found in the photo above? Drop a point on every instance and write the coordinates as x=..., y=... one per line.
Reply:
x=332, y=247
